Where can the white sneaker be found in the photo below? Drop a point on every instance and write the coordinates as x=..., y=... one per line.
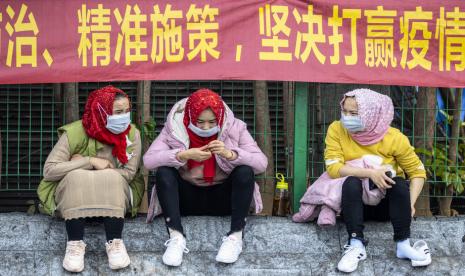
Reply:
x=421, y=246
x=117, y=255
x=175, y=248
x=74, y=257
x=230, y=250
x=350, y=258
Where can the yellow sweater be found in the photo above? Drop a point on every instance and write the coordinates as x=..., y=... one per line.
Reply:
x=395, y=149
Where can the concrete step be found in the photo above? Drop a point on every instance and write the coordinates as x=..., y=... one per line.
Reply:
x=34, y=245
x=198, y=263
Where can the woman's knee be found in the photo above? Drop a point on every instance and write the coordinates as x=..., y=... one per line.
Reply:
x=352, y=186
x=243, y=174
x=165, y=175
x=164, y=172
x=77, y=174
x=401, y=187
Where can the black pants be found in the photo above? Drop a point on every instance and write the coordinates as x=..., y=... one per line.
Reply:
x=395, y=207
x=113, y=228
x=181, y=198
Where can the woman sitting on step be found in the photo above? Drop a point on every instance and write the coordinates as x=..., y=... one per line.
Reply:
x=205, y=161
x=92, y=171
x=364, y=129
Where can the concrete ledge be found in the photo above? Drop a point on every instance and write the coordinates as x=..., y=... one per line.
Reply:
x=34, y=245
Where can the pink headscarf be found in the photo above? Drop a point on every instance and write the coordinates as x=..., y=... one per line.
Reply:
x=376, y=112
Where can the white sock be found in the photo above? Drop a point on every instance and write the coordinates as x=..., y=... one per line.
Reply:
x=175, y=233
x=356, y=243
x=237, y=235
x=405, y=251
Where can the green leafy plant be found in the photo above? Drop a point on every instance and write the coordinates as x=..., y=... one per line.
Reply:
x=148, y=130
x=438, y=168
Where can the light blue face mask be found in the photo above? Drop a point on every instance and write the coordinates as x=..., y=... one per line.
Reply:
x=352, y=123
x=204, y=132
x=117, y=124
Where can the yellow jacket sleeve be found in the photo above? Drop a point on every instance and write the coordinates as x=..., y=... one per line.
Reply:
x=407, y=158
x=334, y=156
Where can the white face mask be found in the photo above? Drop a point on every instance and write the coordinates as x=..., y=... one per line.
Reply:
x=204, y=132
x=117, y=124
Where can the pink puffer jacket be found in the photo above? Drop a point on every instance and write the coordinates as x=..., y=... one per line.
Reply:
x=173, y=138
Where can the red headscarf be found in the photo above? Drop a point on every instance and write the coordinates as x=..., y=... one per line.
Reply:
x=196, y=103
x=94, y=120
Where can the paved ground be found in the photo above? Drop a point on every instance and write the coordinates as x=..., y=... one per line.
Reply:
x=34, y=245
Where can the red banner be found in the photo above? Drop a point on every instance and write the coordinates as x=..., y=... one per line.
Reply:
x=344, y=41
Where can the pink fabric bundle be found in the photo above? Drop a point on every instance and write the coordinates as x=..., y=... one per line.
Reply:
x=323, y=197
x=376, y=112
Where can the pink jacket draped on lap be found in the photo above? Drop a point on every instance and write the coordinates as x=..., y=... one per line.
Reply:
x=323, y=197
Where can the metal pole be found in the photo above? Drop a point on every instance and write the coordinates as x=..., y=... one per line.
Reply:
x=300, y=143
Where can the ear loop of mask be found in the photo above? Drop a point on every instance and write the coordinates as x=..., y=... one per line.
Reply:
x=190, y=118
x=100, y=109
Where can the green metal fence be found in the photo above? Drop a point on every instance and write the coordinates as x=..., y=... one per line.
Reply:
x=30, y=115
x=28, y=122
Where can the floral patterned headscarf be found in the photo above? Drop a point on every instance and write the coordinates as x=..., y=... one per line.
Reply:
x=376, y=112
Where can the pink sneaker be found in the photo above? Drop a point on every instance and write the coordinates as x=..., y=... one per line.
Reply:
x=74, y=257
x=117, y=255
